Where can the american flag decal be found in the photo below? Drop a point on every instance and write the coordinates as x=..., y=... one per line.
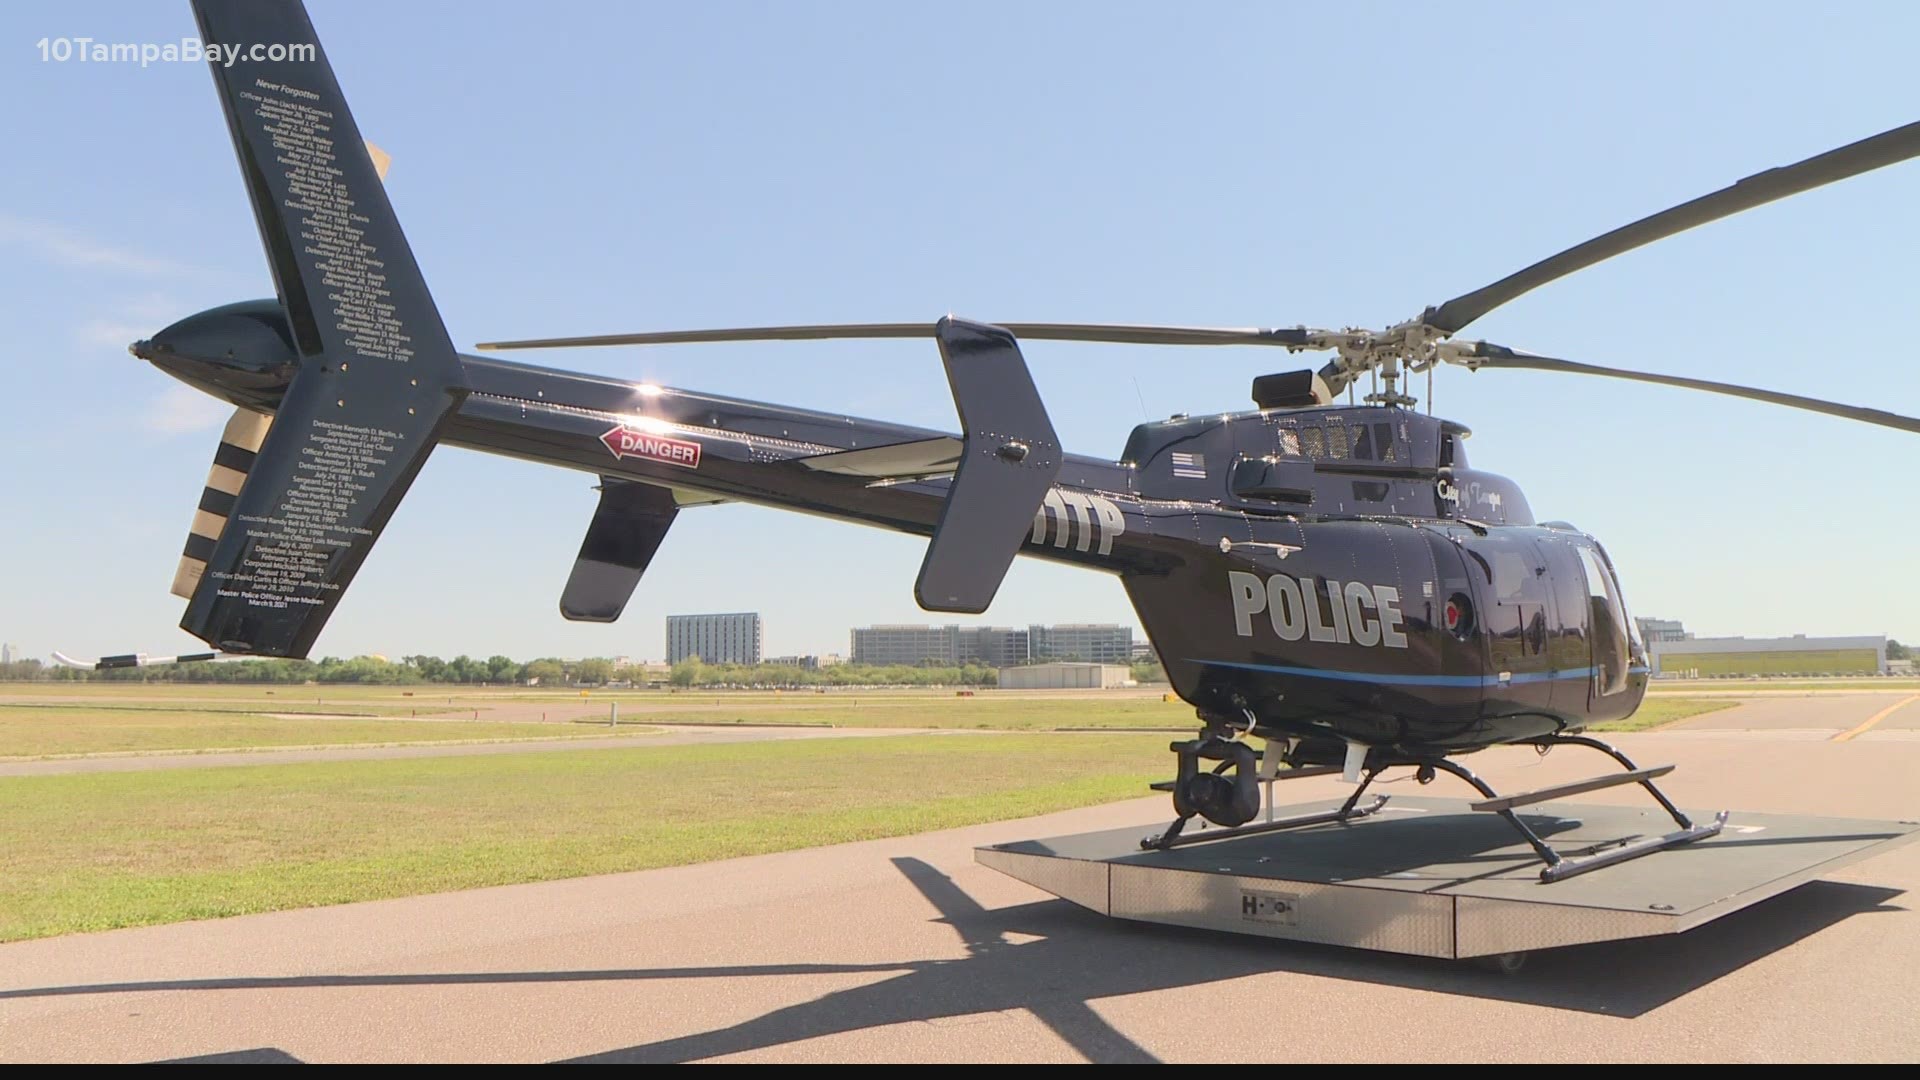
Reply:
x=1191, y=466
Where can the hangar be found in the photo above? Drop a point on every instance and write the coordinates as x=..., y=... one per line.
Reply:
x=1796, y=655
x=1065, y=677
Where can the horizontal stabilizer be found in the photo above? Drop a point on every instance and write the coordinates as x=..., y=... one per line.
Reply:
x=627, y=529
x=928, y=457
x=1008, y=463
x=128, y=660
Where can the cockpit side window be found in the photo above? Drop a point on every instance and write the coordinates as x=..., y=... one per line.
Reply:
x=1383, y=441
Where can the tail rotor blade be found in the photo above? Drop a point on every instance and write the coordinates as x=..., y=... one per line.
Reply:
x=239, y=444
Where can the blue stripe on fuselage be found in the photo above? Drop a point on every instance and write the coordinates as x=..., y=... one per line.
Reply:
x=1412, y=680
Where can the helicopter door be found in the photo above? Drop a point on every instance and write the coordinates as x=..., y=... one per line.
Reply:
x=1516, y=620
x=1613, y=636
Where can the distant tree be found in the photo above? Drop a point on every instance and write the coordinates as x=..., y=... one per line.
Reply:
x=1897, y=651
x=1148, y=671
x=686, y=672
x=501, y=669
x=465, y=669
x=430, y=668
x=544, y=672
x=593, y=671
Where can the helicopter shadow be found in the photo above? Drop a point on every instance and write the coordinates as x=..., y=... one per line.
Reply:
x=1081, y=957
x=1052, y=960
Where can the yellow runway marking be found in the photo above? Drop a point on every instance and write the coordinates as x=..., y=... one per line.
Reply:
x=1867, y=724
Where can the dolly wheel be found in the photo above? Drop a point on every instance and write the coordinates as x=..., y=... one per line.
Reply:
x=1506, y=963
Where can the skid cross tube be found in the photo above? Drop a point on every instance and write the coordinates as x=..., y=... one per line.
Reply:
x=1578, y=787
x=1560, y=867
x=1626, y=762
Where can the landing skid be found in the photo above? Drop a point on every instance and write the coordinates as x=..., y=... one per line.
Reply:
x=1237, y=758
x=1560, y=867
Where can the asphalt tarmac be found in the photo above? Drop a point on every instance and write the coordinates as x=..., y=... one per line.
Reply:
x=905, y=950
x=1893, y=711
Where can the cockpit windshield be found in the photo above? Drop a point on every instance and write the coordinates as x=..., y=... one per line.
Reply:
x=1614, y=635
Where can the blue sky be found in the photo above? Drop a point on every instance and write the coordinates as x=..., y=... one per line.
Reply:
x=575, y=167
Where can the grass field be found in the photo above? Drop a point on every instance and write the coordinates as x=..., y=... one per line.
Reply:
x=184, y=718
x=36, y=731
x=1659, y=712
x=1866, y=684
x=102, y=850
x=984, y=711
x=1826, y=662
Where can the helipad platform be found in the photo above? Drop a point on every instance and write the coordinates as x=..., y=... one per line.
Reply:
x=1430, y=877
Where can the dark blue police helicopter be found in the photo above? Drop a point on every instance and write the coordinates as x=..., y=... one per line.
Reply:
x=1336, y=580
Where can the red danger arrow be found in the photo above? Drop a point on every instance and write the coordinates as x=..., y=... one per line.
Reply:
x=626, y=442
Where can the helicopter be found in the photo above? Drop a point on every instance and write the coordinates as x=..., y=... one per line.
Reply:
x=1335, y=579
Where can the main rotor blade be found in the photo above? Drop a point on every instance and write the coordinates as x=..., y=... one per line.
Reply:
x=1296, y=337
x=1866, y=155
x=1487, y=355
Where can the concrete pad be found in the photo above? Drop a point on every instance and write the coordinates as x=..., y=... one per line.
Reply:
x=904, y=950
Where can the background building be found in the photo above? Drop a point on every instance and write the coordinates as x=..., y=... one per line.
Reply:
x=718, y=639
x=940, y=646
x=1796, y=655
x=1065, y=677
x=992, y=646
x=1093, y=643
x=1652, y=630
x=909, y=645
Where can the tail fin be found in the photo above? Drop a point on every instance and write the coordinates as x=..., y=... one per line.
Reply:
x=1009, y=457
x=377, y=376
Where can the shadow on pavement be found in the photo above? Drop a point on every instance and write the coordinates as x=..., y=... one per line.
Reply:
x=1080, y=958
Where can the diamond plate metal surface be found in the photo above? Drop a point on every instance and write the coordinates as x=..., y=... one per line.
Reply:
x=1082, y=881
x=1486, y=927
x=1387, y=920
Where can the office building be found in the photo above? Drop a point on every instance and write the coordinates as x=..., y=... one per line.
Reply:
x=732, y=638
x=1090, y=643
